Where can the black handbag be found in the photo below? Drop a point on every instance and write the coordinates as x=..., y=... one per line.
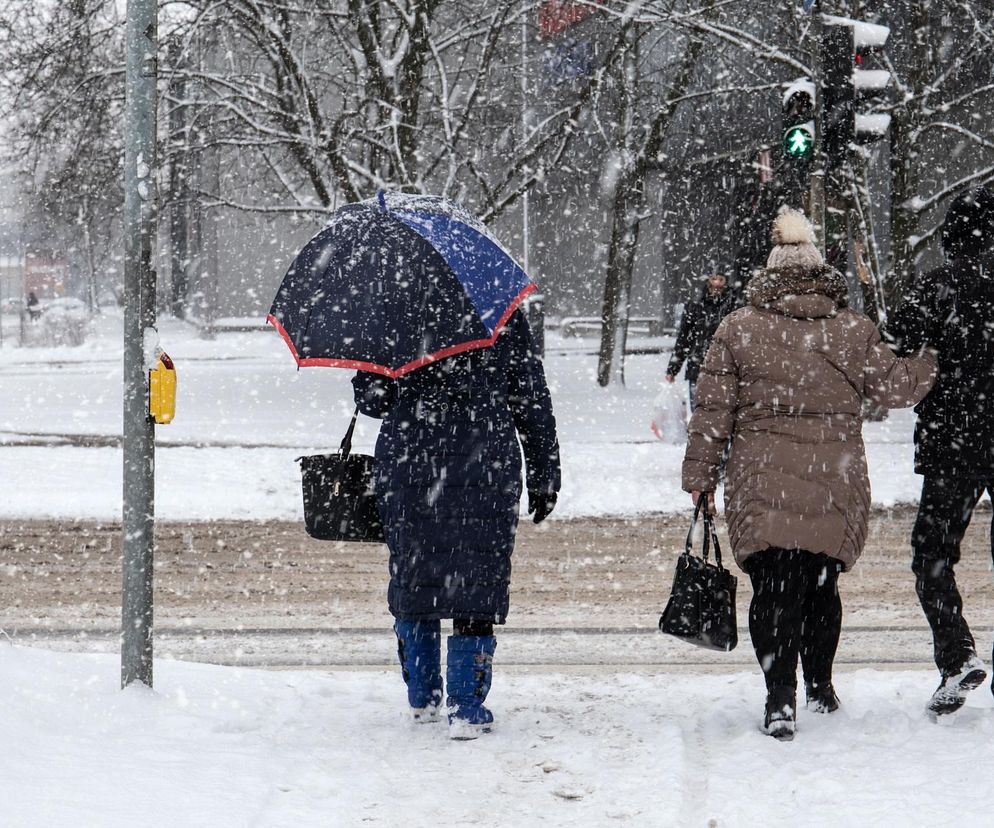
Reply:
x=339, y=503
x=701, y=609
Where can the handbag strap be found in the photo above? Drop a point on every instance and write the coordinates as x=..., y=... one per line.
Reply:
x=710, y=533
x=709, y=529
x=689, y=547
x=346, y=448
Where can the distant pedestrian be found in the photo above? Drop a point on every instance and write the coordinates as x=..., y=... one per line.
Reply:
x=33, y=306
x=785, y=379
x=697, y=326
x=952, y=308
x=448, y=482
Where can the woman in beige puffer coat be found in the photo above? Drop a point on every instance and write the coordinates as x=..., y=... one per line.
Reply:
x=785, y=378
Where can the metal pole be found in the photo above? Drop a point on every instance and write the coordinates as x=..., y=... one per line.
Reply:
x=139, y=318
x=837, y=120
x=816, y=188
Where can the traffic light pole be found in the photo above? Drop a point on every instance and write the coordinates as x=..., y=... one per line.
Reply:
x=816, y=189
x=139, y=318
x=838, y=120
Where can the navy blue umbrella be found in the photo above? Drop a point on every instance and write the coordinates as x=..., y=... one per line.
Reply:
x=395, y=283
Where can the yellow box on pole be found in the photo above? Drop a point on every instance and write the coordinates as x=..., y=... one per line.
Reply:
x=162, y=390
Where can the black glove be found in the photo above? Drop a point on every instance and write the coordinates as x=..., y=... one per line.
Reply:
x=542, y=504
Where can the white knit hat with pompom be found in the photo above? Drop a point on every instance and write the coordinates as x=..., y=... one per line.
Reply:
x=794, y=243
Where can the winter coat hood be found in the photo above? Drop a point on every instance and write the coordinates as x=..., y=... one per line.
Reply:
x=968, y=229
x=804, y=293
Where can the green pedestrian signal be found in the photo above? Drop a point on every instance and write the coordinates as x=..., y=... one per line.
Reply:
x=797, y=128
x=798, y=141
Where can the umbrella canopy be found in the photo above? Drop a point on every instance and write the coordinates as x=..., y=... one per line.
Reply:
x=395, y=283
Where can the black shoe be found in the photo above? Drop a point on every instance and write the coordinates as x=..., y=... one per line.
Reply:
x=950, y=695
x=821, y=698
x=779, y=722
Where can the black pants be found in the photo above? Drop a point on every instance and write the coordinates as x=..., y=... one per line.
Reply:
x=469, y=626
x=795, y=609
x=944, y=513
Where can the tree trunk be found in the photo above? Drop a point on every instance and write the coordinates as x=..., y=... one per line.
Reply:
x=905, y=156
x=91, y=269
x=626, y=206
x=626, y=200
x=904, y=219
x=209, y=251
x=178, y=192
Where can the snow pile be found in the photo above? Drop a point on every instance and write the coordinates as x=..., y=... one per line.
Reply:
x=224, y=746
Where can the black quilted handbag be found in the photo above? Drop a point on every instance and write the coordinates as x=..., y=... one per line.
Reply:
x=701, y=609
x=339, y=503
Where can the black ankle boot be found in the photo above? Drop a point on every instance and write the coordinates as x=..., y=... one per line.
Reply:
x=820, y=696
x=781, y=704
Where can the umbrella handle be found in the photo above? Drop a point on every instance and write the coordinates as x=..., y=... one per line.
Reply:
x=346, y=448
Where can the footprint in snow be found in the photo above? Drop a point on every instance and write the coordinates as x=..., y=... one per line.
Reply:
x=571, y=793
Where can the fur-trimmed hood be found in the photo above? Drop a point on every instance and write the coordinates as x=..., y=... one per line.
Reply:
x=808, y=293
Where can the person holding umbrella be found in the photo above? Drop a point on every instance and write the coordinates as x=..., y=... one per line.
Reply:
x=416, y=294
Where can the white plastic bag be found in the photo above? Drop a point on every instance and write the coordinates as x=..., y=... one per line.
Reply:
x=669, y=413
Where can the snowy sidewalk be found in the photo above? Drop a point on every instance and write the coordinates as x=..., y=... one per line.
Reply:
x=220, y=747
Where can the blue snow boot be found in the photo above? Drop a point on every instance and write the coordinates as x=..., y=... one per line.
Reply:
x=419, y=646
x=468, y=676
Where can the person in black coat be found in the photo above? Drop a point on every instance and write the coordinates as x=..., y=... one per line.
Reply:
x=697, y=326
x=34, y=306
x=448, y=481
x=952, y=309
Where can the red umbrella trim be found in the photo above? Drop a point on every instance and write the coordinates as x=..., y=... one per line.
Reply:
x=393, y=373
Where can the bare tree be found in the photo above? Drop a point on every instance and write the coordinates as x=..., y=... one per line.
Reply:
x=327, y=101
x=338, y=100
x=61, y=81
x=941, y=57
x=642, y=142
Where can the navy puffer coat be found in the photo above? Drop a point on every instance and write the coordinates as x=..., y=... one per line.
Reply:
x=448, y=473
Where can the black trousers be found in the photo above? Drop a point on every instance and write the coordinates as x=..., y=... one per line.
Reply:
x=795, y=609
x=944, y=513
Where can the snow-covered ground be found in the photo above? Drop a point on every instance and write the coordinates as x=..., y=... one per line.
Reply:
x=222, y=746
x=244, y=413
x=227, y=746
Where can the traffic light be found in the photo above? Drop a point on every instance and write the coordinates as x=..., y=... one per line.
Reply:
x=855, y=83
x=798, y=120
x=870, y=82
